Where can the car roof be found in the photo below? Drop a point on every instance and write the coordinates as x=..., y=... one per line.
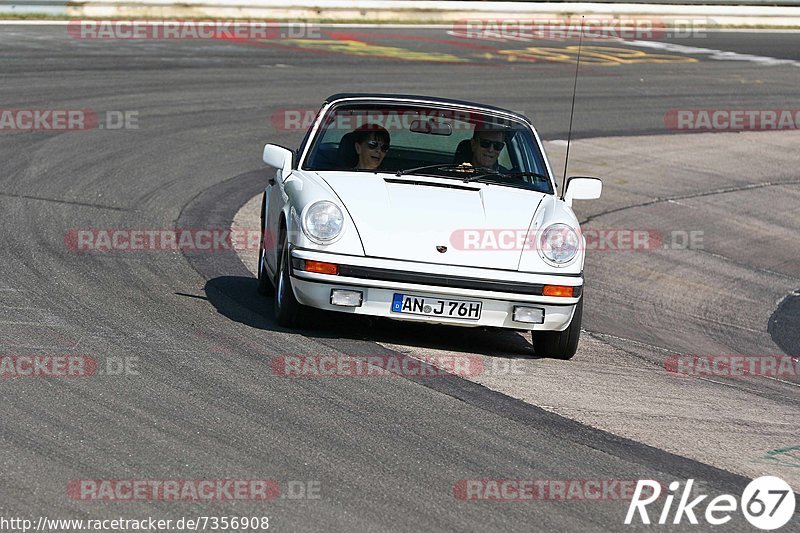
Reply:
x=432, y=99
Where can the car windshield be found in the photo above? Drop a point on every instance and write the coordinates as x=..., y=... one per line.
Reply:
x=431, y=141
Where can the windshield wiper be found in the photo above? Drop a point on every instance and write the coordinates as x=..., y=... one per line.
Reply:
x=524, y=173
x=457, y=167
x=497, y=173
x=477, y=173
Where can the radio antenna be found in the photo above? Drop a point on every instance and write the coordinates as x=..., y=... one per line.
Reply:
x=572, y=110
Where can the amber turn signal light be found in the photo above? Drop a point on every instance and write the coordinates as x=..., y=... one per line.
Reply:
x=320, y=267
x=558, y=290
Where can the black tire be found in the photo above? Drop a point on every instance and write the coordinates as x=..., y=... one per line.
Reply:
x=560, y=344
x=265, y=286
x=288, y=311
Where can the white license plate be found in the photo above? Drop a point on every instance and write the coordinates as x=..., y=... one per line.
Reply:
x=426, y=306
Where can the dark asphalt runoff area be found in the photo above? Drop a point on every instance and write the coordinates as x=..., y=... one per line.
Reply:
x=199, y=400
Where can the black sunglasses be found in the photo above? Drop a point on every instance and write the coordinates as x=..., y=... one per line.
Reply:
x=375, y=144
x=498, y=145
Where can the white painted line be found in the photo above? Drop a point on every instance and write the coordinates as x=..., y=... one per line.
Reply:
x=719, y=55
x=33, y=22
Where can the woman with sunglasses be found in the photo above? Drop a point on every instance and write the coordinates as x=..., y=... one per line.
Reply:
x=371, y=144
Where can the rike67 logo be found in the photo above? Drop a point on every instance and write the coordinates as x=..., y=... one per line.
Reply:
x=767, y=503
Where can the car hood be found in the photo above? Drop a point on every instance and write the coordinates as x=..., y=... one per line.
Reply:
x=414, y=218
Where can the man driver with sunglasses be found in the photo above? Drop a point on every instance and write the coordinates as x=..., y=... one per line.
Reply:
x=486, y=146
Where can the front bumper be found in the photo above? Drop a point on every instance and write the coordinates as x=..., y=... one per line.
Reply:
x=380, y=279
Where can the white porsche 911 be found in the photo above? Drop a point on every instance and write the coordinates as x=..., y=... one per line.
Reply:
x=428, y=209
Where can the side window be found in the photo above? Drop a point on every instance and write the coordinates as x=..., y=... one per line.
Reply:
x=517, y=158
x=505, y=157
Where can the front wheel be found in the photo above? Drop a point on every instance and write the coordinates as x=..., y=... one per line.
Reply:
x=288, y=311
x=560, y=344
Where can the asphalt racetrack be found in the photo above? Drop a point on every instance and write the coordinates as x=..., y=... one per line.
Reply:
x=185, y=388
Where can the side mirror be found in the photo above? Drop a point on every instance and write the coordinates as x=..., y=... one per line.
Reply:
x=278, y=157
x=582, y=188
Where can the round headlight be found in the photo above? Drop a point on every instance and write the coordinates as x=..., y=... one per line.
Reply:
x=323, y=221
x=559, y=244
